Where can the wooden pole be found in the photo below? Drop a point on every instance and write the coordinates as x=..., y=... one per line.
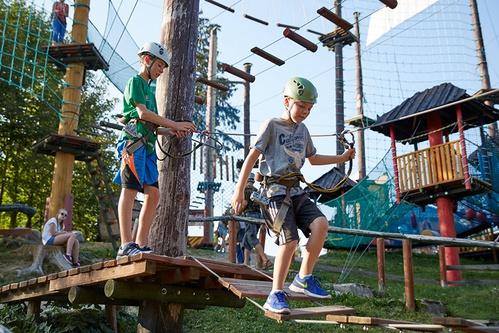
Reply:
x=175, y=96
x=210, y=124
x=394, y=160
x=111, y=316
x=410, y=303
x=70, y=111
x=359, y=101
x=340, y=111
x=232, y=241
x=462, y=143
x=246, y=111
x=380, y=254
x=482, y=59
x=34, y=307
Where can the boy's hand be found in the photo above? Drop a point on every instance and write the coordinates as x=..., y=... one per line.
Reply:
x=349, y=154
x=183, y=126
x=238, y=203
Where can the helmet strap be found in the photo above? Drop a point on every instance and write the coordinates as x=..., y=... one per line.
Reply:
x=288, y=110
x=148, y=68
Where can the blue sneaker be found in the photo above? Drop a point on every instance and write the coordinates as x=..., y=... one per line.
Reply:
x=310, y=286
x=277, y=302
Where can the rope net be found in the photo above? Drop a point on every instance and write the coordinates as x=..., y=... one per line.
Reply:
x=24, y=60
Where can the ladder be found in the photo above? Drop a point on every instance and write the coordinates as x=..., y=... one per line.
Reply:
x=104, y=193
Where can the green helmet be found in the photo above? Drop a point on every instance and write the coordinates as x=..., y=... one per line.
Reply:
x=301, y=89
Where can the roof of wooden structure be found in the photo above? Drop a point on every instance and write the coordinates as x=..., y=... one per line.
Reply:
x=409, y=118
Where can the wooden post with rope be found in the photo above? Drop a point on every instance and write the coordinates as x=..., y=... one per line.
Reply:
x=70, y=111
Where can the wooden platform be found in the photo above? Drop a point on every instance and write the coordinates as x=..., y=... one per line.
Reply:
x=454, y=189
x=77, y=53
x=84, y=149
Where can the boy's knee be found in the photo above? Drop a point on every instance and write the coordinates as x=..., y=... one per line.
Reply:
x=320, y=224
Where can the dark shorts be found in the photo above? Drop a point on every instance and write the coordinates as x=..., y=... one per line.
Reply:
x=250, y=238
x=299, y=216
x=50, y=241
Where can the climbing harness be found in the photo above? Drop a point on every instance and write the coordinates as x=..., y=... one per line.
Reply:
x=291, y=180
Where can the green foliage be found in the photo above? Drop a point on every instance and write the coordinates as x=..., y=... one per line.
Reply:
x=12, y=317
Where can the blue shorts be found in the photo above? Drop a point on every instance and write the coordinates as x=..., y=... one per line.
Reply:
x=50, y=241
x=138, y=169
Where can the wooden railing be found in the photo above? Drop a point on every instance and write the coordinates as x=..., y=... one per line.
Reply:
x=431, y=166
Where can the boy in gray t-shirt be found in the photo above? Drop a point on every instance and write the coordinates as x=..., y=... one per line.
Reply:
x=282, y=145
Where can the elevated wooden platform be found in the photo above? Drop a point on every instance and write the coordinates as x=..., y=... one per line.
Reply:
x=196, y=283
x=453, y=189
x=338, y=36
x=84, y=149
x=77, y=53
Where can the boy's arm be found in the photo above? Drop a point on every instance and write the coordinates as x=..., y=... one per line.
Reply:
x=318, y=159
x=144, y=114
x=238, y=203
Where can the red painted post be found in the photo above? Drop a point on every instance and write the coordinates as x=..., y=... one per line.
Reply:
x=410, y=303
x=445, y=208
x=445, y=205
x=443, y=268
x=464, y=158
x=239, y=73
x=394, y=159
x=380, y=254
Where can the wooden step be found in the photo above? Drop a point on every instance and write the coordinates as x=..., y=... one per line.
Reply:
x=258, y=289
x=371, y=321
x=319, y=311
x=417, y=327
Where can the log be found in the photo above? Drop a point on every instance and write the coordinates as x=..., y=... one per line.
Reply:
x=171, y=294
x=88, y=295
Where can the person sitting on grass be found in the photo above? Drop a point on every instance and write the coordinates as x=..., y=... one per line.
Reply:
x=53, y=234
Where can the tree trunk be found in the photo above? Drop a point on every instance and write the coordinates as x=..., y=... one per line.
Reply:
x=175, y=95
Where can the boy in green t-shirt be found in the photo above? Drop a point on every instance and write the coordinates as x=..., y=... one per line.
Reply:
x=136, y=147
x=282, y=146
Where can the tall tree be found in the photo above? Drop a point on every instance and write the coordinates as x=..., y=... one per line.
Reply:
x=176, y=101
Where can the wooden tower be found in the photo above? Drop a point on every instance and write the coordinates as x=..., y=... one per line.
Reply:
x=75, y=58
x=439, y=173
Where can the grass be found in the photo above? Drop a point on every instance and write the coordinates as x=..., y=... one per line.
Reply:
x=472, y=301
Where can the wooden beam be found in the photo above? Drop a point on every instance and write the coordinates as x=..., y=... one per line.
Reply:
x=288, y=33
x=237, y=72
x=212, y=83
x=310, y=312
x=252, y=18
x=491, y=267
x=390, y=3
x=94, y=295
x=134, y=269
x=329, y=15
x=220, y=5
x=171, y=294
x=267, y=56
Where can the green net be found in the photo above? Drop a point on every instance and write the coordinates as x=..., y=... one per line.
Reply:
x=24, y=60
x=369, y=205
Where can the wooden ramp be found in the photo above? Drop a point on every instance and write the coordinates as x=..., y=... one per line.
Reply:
x=466, y=325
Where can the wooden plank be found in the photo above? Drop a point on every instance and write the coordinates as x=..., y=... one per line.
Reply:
x=491, y=267
x=258, y=289
x=135, y=269
x=301, y=313
x=357, y=320
x=178, y=275
x=455, y=322
x=221, y=268
x=96, y=266
x=27, y=293
x=109, y=263
x=42, y=279
x=480, y=329
x=418, y=327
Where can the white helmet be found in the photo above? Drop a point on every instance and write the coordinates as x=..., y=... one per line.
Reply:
x=156, y=50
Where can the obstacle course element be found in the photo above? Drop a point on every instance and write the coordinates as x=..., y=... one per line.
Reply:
x=329, y=15
x=218, y=4
x=390, y=3
x=87, y=54
x=82, y=148
x=212, y=83
x=237, y=72
x=267, y=56
x=252, y=18
x=298, y=39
